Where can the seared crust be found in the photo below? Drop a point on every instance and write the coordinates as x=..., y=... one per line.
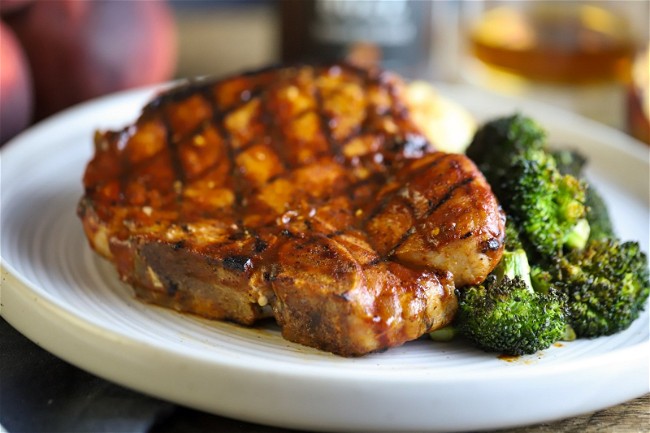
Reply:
x=302, y=193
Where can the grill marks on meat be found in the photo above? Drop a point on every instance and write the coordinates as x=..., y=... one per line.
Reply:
x=302, y=193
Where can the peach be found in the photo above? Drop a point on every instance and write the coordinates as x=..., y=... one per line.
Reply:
x=79, y=50
x=15, y=86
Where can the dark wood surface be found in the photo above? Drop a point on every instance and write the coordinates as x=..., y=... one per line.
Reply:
x=633, y=416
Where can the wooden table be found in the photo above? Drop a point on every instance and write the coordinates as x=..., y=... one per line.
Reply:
x=633, y=416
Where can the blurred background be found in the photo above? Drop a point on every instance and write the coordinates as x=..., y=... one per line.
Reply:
x=590, y=57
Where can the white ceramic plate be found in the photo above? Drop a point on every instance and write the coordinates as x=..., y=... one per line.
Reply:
x=63, y=297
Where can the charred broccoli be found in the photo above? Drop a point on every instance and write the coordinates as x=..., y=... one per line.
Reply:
x=564, y=273
x=497, y=141
x=600, y=224
x=505, y=314
x=606, y=285
x=547, y=207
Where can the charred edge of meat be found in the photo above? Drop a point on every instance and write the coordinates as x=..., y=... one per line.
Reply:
x=186, y=88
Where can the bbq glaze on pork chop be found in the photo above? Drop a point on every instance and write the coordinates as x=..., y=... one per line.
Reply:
x=301, y=193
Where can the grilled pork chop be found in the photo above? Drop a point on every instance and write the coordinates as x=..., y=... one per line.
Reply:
x=301, y=193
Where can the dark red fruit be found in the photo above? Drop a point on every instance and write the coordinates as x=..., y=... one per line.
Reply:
x=79, y=50
x=15, y=86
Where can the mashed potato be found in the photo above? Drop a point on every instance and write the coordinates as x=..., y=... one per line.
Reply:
x=448, y=125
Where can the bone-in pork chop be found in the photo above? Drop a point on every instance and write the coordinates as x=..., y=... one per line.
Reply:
x=304, y=193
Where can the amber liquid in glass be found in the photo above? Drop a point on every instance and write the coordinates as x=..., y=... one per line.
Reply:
x=552, y=43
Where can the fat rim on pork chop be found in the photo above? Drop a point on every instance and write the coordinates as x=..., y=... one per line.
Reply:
x=303, y=193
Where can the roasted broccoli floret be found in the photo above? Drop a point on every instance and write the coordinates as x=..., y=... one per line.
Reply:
x=547, y=207
x=507, y=317
x=497, y=140
x=606, y=285
x=505, y=314
x=600, y=224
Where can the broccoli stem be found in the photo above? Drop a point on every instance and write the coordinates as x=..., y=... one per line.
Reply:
x=577, y=238
x=444, y=334
x=514, y=264
x=569, y=333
